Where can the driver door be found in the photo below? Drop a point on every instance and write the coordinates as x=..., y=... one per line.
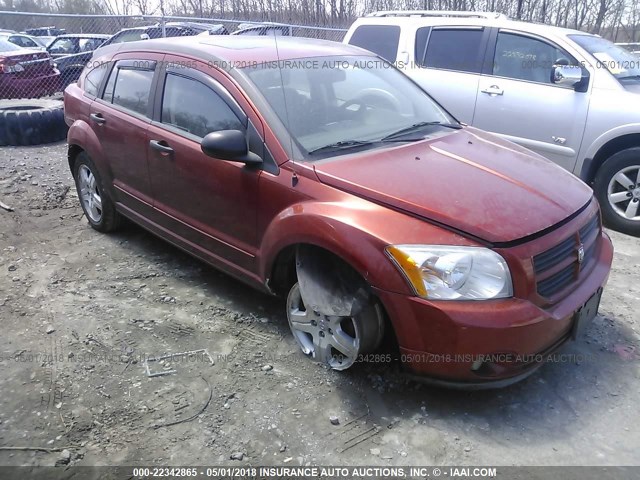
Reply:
x=518, y=101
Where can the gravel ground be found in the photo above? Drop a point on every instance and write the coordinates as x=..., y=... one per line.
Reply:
x=81, y=311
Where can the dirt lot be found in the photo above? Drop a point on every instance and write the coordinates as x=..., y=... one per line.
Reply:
x=80, y=312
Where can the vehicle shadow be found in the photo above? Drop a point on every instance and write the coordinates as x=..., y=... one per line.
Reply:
x=590, y=376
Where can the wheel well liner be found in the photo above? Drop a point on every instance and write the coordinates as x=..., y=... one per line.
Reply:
x=72, y=153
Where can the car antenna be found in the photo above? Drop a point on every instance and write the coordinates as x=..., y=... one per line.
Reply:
x=294, y=177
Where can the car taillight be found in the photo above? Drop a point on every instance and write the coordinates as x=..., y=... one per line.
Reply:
x=7, y=67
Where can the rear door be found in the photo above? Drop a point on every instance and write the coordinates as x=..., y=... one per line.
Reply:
x=517, y=99
x=449, y=61
x=120, y=119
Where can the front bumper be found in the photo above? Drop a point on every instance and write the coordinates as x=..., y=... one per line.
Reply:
x=472, y=343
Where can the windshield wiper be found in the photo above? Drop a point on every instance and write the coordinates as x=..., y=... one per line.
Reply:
x=629, y=77
x=418, y=126
x=342, y=145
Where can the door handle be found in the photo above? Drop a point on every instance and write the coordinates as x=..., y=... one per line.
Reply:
x=493, y=90
x=161, y=146
x=98, y=118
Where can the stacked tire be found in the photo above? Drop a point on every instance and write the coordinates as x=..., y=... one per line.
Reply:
x=31, y=122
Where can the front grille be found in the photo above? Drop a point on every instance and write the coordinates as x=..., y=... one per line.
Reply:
x=558, y=267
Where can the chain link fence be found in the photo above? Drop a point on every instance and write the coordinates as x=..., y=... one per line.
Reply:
x=40, y=54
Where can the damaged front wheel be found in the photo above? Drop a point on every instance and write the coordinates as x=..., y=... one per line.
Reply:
x=334, y=340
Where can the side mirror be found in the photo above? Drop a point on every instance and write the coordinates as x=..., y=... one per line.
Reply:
x=229, y=145
x=566, y=75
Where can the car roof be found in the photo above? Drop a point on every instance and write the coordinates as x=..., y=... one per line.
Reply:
x=231, y=48
x=84, y=35
x=500, y=22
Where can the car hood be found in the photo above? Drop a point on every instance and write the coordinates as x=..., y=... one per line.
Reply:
x=468, y=180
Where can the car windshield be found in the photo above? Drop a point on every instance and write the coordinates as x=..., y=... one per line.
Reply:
x=622, y=64
x=7, y=46
x=346, y=102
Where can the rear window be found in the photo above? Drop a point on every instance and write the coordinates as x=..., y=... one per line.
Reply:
x=380, y=39
x=454, y=49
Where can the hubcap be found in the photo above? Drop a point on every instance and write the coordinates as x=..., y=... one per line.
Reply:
x=89, y=194
x=623, y=193
x=332, y=340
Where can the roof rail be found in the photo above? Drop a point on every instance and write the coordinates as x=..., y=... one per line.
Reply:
x=438, y=13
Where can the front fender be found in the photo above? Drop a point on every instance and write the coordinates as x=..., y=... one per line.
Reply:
x=355, y=230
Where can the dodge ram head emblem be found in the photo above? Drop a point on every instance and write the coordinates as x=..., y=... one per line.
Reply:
x=580, y=254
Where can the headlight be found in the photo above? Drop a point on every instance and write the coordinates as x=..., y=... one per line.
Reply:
x=441, y=272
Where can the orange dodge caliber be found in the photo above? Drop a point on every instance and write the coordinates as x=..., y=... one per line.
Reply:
x=319, y=172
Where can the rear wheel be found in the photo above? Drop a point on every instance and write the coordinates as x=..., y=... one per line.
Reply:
x=96, y=204
x=617, y=187
x=335, y=341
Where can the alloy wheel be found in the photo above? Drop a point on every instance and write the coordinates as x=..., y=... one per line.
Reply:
x=90, y=194
x=335, y=341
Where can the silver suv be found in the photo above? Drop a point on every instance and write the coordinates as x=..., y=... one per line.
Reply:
x=568, y=95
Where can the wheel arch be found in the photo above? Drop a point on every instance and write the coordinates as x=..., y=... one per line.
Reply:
x=82, y=138
x=324, y=226
x=283, y=276
x=611, y=147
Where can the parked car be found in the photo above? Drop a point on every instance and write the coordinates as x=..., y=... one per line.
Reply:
x=175, y=29
x=72, y=44
x=26, y=73
x=349, y=191
x=568, y=95
x=22, y=40
x=71, y=53
x=263, y=29
x=45, y=31
x=201, y=28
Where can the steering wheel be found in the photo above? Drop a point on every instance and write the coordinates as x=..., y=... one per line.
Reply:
x=372, y=97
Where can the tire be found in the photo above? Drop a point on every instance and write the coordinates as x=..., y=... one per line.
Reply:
x=338, y=342
x=103, y=218
x=31, y=122
x=620, y=204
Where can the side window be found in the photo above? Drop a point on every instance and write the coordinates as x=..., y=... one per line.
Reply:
x=93, y=79
x=455, y=49
x=200, y=112
x=380, y=39
x=127, y=36
x=526, y=58
x=29, y=43
x=65, y=46
x=129, y=88
x=89, y=44
x=23, y=41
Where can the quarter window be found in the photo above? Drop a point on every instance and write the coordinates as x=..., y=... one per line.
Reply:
x=526, y=58
x=454, y=49
x=94, y=78
x=200, y=112
x=379, y=39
